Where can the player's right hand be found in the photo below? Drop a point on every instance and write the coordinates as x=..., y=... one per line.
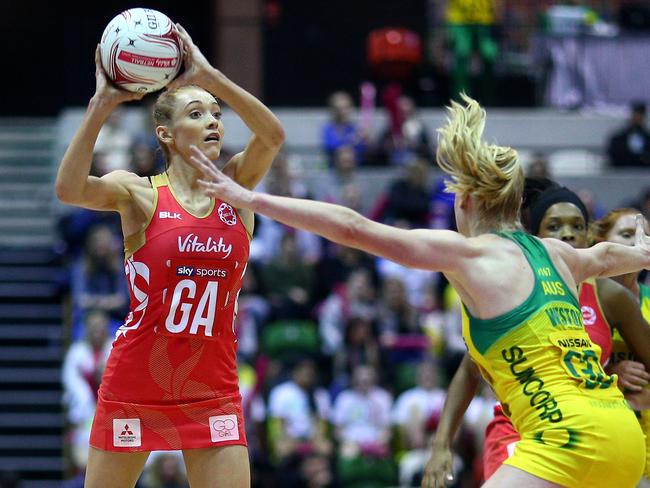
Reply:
x=632, y=375
x=105, y=91
x=438, y=471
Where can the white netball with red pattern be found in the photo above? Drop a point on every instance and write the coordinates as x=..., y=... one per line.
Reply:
x=140, y=50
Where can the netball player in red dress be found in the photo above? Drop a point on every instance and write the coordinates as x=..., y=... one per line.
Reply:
x=171, y=380
x=559, y=213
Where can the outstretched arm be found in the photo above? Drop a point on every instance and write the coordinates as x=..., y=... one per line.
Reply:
x=436, y=250
x=248, y=167
x=606, y=258
x=462, y=389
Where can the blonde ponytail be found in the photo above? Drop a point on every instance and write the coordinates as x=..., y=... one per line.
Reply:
x=491, y=174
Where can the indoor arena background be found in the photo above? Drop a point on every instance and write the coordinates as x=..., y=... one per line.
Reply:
x=331, y=341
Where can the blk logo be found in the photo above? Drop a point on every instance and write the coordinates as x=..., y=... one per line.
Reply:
x=169, y=215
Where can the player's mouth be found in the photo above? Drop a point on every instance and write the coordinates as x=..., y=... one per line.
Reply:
x=213, y=137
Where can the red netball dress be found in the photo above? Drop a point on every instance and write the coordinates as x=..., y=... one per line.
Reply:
x=171, y=378
x=500, y=434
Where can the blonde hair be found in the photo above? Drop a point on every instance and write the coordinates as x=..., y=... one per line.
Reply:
x=599, y=229
x=491, y=174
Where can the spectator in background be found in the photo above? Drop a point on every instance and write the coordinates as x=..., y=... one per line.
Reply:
x=165, y=470
x=83, y=366
x=415, y=416
x=360, y=348
x=282, y=180
x=316, y=472
x=396, y=315
x=407, y=136
x=341, y=185
x=441, y=207
x=287, y=281
x=73, y=228
x=470, y=27
x=298, y=412
x=336, y=264
x=341, y=130
x=538, y=166
x=252, y=313
x=98, y=277
x=361, y=416
x=114, y=143
x=630, y=147
x=143, y=160
x=594, y=208
x=407, y=198
x=355, y=298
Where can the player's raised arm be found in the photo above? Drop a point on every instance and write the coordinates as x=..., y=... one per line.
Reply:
x=248, y=167
x=73, y=183
x=606, y=258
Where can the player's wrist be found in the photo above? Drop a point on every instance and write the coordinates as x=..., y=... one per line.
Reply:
x=440, y=443
x=102, y=103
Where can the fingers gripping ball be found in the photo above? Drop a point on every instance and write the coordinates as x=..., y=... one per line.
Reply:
x=140, y=50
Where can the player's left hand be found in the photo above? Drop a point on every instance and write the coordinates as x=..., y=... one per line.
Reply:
x=198, y=70
x=218, y=185
x=438, y=472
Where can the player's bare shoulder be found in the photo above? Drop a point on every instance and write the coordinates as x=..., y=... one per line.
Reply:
x=558, y=249
x=137, y=190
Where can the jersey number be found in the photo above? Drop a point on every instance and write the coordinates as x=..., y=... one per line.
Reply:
x=584, y=365
x=181, y=313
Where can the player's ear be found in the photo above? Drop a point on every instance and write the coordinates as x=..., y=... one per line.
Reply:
x=163, y=134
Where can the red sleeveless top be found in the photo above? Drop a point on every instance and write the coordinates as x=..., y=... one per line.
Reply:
x=177, y=346
x=594, y=318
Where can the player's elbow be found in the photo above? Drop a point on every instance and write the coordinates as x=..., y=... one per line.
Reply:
x=65, y=193
x=354, y=229
x=278, y=136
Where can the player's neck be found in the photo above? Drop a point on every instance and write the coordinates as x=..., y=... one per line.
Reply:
x=183, y=178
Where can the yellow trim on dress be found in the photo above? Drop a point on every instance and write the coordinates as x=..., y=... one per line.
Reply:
x=135, y=241
x=165, y=178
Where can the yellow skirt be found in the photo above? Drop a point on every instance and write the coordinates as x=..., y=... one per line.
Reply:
x=598, y=444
